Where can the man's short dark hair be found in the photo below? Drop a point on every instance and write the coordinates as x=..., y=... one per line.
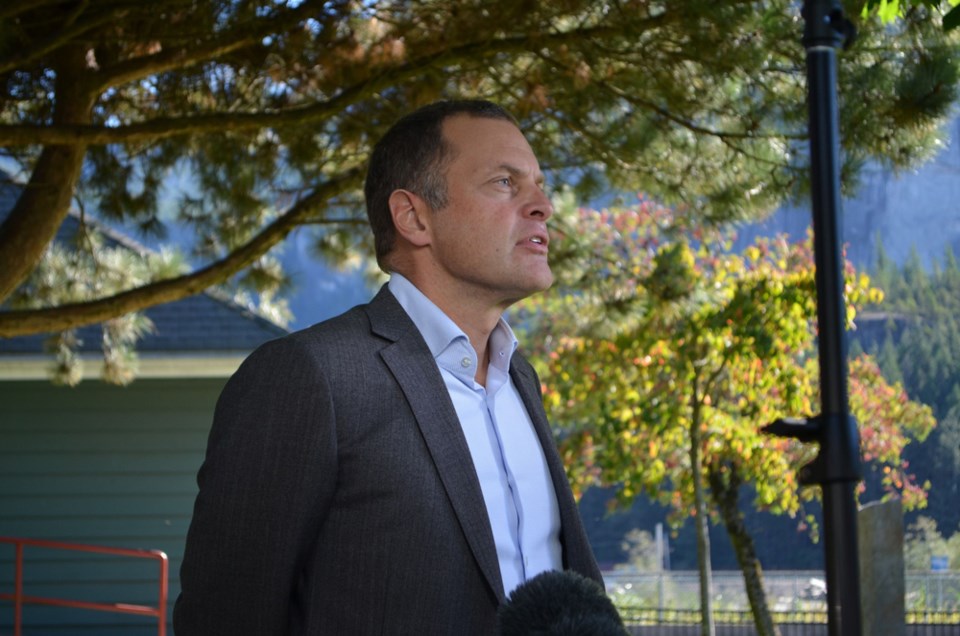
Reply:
x=413, y=155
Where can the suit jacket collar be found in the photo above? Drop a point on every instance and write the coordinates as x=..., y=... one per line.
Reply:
x=415, y=370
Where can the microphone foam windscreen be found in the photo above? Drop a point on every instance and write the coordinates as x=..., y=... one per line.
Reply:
x=560, y=604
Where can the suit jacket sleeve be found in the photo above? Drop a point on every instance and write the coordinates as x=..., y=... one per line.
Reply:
x=265, y=484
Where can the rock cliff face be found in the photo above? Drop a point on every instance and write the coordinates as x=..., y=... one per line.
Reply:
x=918, y=208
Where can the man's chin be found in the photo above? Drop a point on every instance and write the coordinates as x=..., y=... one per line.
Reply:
x=548, y=281
x=541, y=284
x=531, y=289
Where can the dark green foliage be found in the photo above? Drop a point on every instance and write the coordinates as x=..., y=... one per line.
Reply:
x=920, y=346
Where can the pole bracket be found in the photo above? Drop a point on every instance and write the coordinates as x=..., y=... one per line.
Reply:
x=826, y=25
x=839, y=456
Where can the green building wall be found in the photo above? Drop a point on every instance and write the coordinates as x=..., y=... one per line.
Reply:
x=103, y=465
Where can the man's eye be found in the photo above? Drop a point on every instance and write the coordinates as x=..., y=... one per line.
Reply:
x=504, y=181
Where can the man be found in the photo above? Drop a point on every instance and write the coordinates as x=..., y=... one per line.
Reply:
x=391, y=470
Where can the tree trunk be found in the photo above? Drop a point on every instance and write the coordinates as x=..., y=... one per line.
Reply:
x=725, y=487
x=45, y=200
x=707, y=627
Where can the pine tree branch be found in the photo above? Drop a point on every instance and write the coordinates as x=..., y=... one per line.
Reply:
x=162, y=128
x=15, y=231
x=12, y=8
x=54, y=319
x=137, y=68
x=45, y=200
x=24, y=235
x=28, y=56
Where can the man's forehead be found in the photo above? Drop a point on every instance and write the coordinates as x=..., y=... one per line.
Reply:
x=494, y=143
x=477, y=130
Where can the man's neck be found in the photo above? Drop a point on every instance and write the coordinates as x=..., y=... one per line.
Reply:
x=472, y=312
x=478, y=323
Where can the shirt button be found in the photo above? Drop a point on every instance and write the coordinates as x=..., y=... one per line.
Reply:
x=465, y=362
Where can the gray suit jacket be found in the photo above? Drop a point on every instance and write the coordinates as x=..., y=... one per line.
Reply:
x=338, y=495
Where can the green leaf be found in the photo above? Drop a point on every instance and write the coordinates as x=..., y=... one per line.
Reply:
x=889, y=10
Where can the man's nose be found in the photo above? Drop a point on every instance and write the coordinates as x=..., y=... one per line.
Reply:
x=539, y=205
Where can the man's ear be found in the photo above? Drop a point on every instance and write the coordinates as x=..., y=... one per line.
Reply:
x=410, y=217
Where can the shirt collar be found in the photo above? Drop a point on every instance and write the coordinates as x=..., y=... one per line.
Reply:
x=439, y=331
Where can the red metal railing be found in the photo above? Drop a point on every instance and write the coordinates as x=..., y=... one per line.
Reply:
x=20, y=599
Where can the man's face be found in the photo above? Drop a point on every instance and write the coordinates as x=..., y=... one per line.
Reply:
x=491, y=239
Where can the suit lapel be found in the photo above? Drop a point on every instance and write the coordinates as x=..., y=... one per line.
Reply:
x=415, y=370
x=527, y=385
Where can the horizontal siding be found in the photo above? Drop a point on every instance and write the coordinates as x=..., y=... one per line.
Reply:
x=48, y=571
x=134, y=591
x=99, y=463
x=28, y=441
x=139, y=483
x=60, y=621
x=38, y=506
x=120, y=530
x=106, y=466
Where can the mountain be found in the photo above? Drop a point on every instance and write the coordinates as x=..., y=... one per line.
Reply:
x=918, y=209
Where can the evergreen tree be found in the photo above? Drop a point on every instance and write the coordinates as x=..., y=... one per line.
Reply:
x=887, y=359
x=921, y=342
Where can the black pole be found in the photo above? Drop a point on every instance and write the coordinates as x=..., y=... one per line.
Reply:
x=837, y=466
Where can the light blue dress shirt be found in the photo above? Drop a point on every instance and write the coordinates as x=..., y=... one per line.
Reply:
x=517, y=489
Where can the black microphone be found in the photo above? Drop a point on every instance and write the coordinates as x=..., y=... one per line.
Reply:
x=560, y=604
